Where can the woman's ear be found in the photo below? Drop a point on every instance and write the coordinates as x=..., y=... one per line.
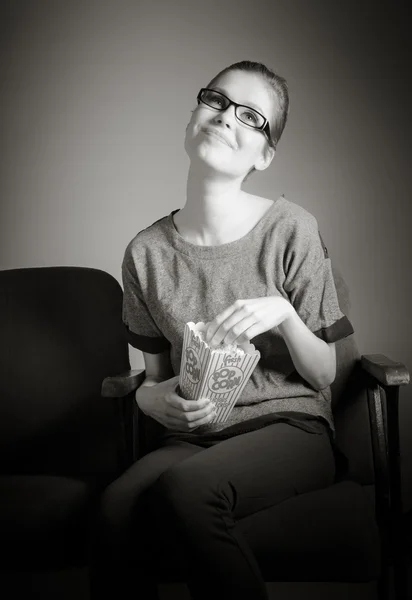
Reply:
x=265, y=158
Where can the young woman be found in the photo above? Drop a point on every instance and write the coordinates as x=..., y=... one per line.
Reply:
x=255, y=269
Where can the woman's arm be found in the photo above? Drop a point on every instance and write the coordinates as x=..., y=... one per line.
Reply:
x=314, y=359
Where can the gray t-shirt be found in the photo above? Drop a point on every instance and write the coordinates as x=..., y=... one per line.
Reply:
x=168, y=282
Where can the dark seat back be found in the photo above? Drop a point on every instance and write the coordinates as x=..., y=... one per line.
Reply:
x=349, y=399
x=61, y=335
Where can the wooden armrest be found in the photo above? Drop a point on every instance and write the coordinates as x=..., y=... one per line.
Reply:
x=123, y=384
x=386, y=371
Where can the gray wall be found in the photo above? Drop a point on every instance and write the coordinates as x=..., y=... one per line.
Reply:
x=96, y=97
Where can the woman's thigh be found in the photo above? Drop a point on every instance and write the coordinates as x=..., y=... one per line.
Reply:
x=121, y=550
x=119, y=500
x=256, y=469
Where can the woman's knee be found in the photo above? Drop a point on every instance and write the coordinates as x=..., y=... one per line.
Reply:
x=116, y=505
x=182, y=489
x=173, y=484
x=120, y=517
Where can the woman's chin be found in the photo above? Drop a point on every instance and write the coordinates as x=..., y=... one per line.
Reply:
x=207, y=156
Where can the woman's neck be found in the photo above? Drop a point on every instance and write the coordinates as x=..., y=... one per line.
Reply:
x=213, y=206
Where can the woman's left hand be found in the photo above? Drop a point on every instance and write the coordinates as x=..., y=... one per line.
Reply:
x=245, y=319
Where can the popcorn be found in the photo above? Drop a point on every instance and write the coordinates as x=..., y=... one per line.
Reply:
x=219, y=373
x=230, y=348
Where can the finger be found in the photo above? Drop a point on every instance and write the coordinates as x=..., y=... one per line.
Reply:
x=252, y=332
x=214, y=325
x=174, y=423
x=192, y=417
x=192, y=420
x=182, y=405
x=233, y=327
x=204, y=421
x=239, y=333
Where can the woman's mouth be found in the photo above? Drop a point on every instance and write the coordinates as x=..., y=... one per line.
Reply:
x=218, y=135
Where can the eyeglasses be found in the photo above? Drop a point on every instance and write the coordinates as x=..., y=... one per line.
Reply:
x=245, y=114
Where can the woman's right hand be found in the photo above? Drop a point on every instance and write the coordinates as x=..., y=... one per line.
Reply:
x=162, y=403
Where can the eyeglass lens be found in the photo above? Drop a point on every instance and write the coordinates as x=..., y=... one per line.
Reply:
x=244, y=113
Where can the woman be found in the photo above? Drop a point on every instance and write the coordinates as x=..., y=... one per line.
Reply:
x=253, y=269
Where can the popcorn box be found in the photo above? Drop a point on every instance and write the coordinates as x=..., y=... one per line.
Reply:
x=218, y=373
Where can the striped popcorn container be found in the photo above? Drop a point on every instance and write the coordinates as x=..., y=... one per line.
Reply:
x=217, y=373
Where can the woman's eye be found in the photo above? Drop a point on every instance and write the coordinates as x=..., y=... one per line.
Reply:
x=216, y=100
x=250, y=116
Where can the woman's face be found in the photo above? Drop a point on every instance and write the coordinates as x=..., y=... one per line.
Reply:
x=243, y=147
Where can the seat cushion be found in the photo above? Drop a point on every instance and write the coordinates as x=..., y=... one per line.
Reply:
x=44, y=521
x=327, y=535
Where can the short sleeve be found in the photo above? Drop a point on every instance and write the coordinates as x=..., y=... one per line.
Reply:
x=142, y=332
x=310, y=285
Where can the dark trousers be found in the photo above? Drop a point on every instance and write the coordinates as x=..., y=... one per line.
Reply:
x=190, y=496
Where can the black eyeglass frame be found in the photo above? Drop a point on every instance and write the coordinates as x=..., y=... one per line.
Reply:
x=265, y=127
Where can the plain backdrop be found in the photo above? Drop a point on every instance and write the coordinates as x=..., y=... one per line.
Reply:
x=95, y=98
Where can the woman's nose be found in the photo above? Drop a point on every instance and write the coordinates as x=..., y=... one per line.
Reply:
x=226, y=117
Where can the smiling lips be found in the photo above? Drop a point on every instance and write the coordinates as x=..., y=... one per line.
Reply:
x=216, y=133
